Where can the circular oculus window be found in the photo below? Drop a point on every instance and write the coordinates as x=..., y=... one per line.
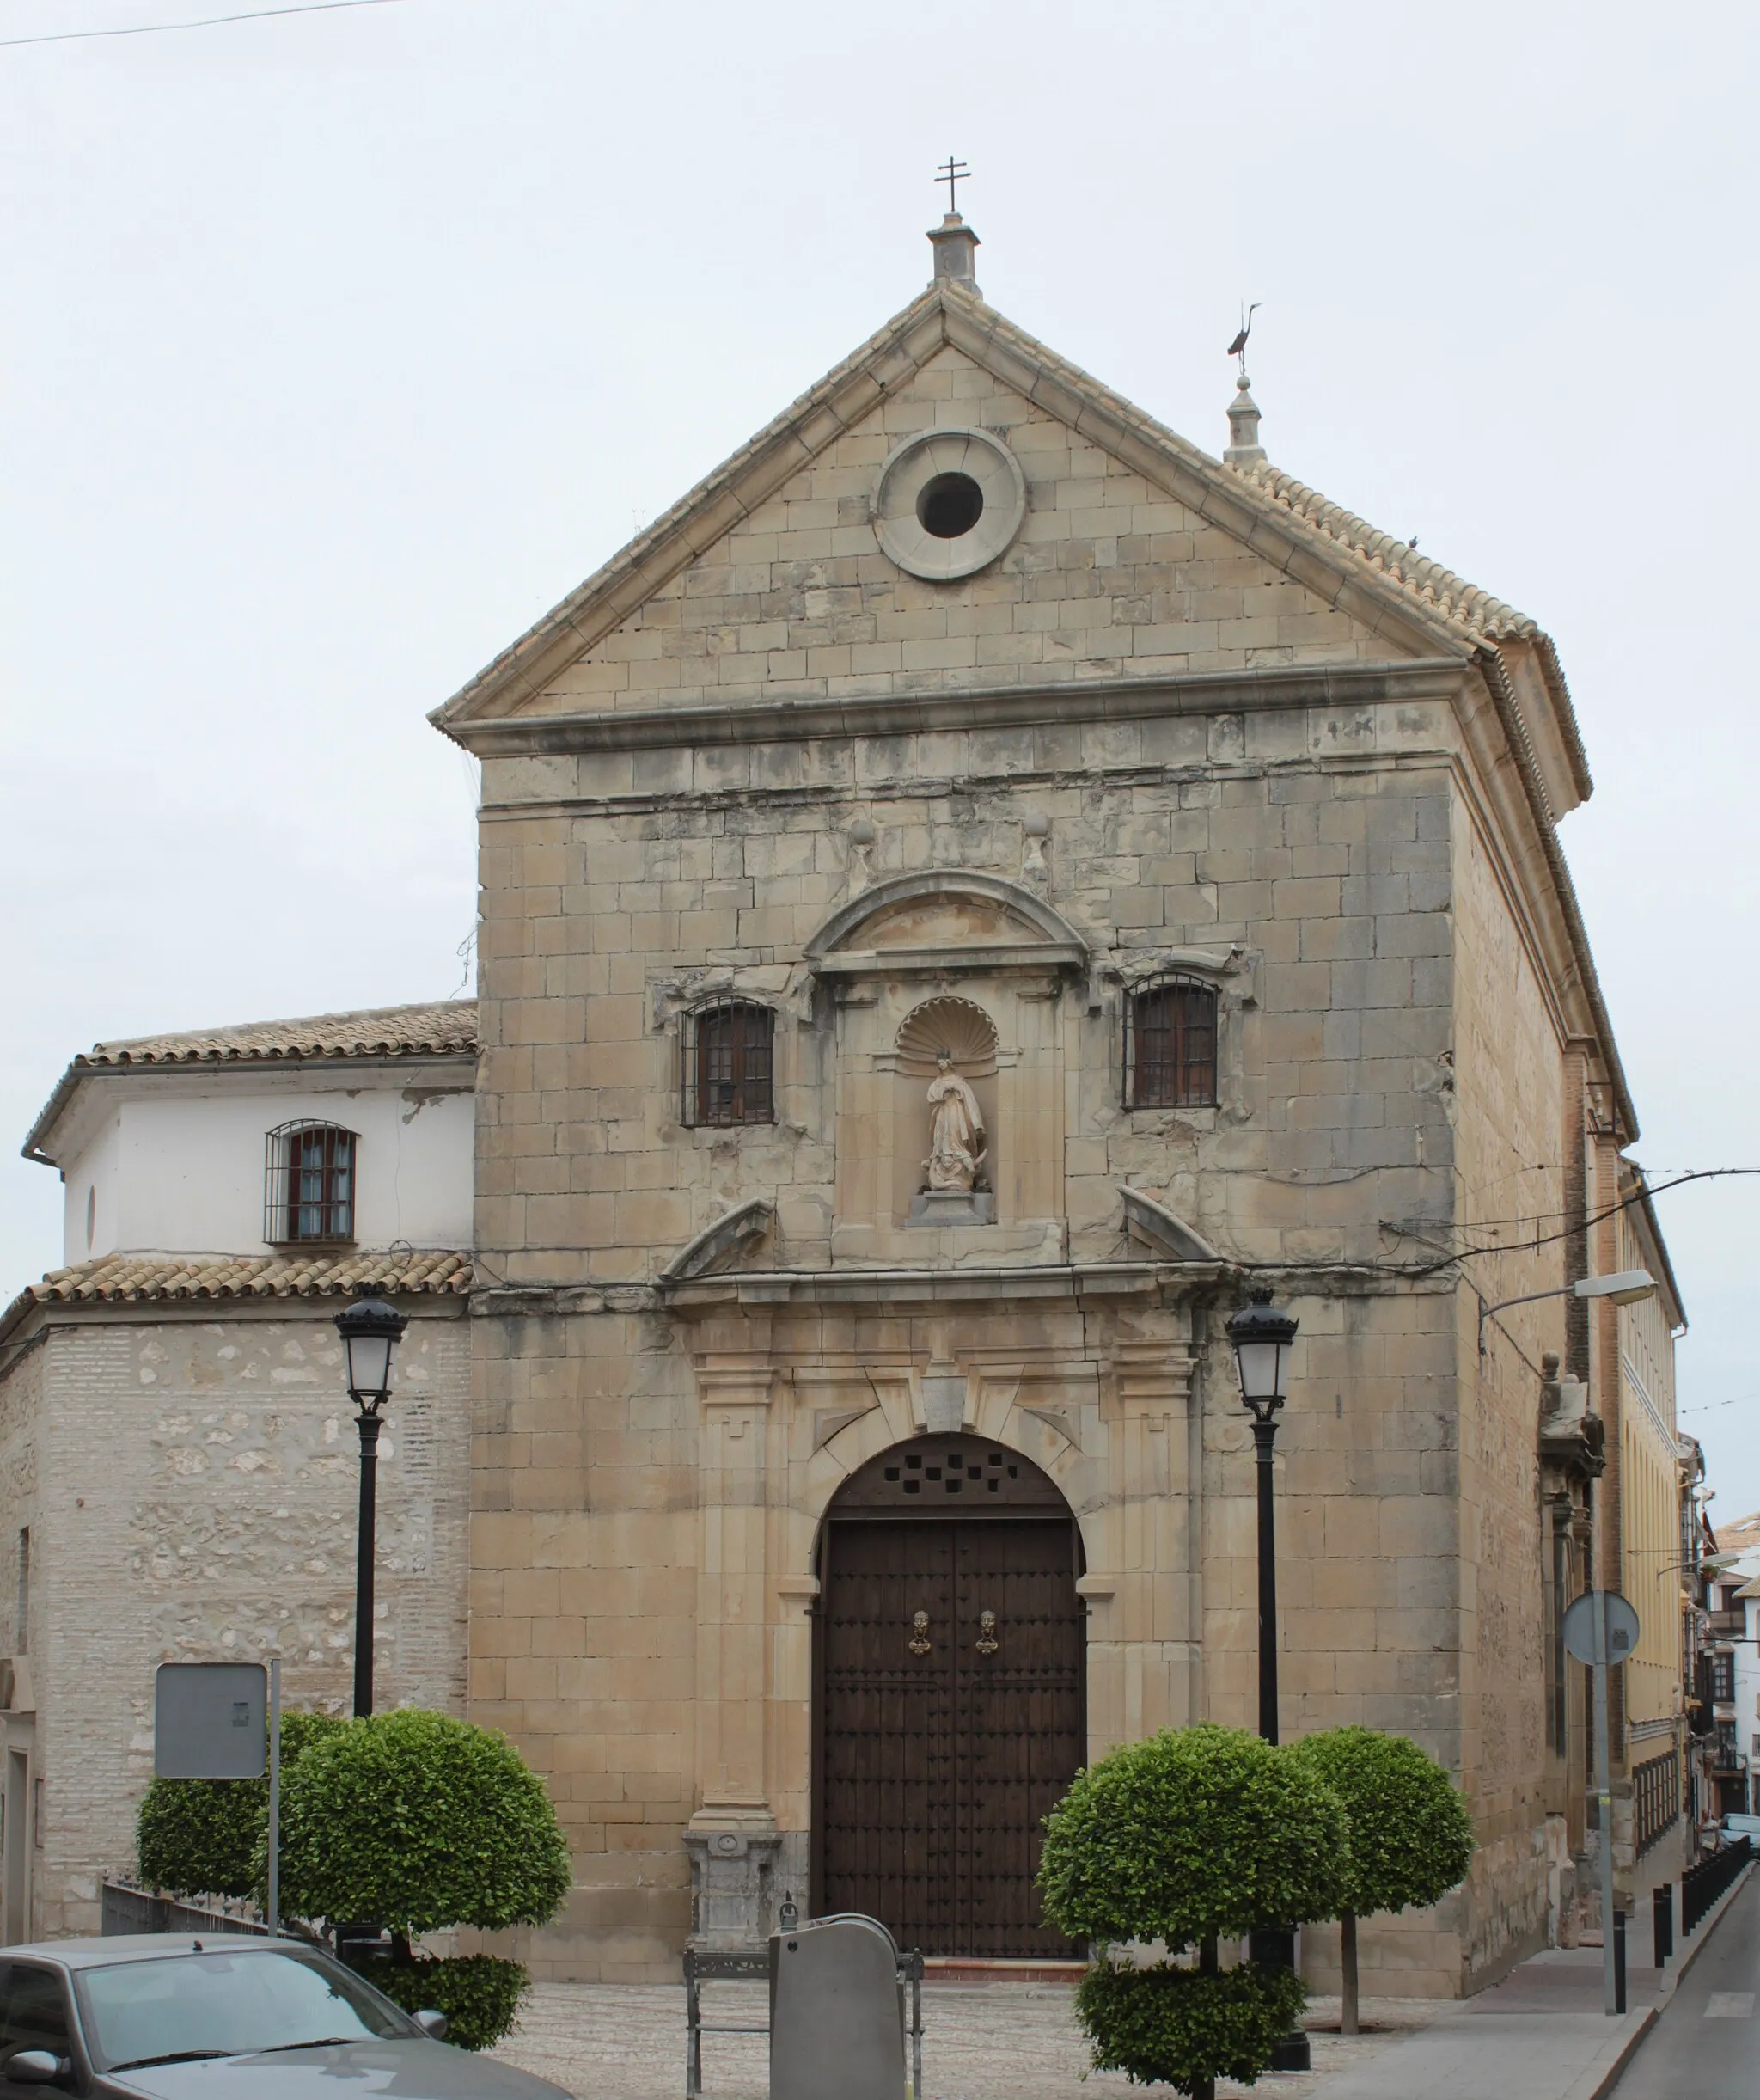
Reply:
x=948, y=502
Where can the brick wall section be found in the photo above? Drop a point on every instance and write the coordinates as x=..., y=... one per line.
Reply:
x=197, y=1502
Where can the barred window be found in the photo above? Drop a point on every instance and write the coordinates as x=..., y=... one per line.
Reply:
x=310, y=1185
x=1170, y=1046
x=1723, y=1677
x=727, y=1055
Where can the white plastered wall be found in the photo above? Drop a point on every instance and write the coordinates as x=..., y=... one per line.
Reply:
x=180, y=1170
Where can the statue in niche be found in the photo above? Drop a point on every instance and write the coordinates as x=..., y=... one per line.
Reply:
x=956, y=1148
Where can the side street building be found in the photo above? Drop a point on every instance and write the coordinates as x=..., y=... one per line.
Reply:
x=971, y=890
x=177, y=1469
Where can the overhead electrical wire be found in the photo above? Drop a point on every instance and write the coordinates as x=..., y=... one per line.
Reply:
x=206, y=21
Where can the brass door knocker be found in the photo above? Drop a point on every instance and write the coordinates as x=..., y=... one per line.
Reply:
x=919, y=1641
x=987, y=1643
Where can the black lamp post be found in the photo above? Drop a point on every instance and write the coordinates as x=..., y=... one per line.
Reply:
x=370, y=1330
x=1263, y=1340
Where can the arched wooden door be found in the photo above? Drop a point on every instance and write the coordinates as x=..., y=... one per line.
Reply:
x=949, y=1695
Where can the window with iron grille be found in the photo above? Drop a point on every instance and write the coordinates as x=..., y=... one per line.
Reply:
x=1723, y=1677
x=727, y=1056
x=1170, y=1046
x=1724, y=1758
x=310, y=1185
x=1656, y=1798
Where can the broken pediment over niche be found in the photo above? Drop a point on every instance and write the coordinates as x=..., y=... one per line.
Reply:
x=945, y=920
x=726, y=1243
x=1165, y=1235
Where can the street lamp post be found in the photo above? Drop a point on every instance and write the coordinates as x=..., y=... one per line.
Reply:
x=370, y=1330
x=1263, y=1340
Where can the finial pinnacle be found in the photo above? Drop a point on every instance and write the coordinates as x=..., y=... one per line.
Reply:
x=955, y=244
x=1245, y=449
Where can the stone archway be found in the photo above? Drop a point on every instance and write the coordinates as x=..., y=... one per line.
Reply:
x=949, y=1695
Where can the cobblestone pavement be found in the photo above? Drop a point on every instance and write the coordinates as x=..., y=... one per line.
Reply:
x=985, y=2041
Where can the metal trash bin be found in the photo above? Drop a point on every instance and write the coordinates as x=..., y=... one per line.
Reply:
x=837, y=2027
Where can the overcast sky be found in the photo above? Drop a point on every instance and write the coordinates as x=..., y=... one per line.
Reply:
x=338, y=346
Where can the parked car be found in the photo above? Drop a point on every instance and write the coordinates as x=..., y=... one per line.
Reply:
x=159, y=2017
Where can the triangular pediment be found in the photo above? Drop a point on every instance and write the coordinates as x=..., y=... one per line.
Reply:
x=1141, y=557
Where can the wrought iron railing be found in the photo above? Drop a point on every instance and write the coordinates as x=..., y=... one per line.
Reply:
x=138, y=1910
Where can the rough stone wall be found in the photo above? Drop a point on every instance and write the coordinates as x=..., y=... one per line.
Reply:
x=197, y=1502
x=21, y=1414
x=1509, y=1092
x=584, y=1614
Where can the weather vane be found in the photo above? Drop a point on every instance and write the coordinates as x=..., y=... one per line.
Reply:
x=1238, y=348
x=953, y=172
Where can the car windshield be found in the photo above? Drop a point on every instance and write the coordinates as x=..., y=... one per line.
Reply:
x=227, y=2005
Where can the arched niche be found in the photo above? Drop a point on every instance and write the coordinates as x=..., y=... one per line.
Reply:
x=946, y=943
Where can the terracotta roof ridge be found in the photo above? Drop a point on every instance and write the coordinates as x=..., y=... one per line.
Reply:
x=428, y=1025
x=1439, y=589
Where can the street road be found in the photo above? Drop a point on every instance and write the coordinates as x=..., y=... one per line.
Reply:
x=1706, y=2045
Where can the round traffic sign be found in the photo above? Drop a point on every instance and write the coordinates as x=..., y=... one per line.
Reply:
x=1582, y=1627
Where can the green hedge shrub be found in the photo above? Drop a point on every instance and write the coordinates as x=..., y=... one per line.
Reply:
x=1411, y=1833
x=1195, y=1833
x=1181, y=2027
x=203, y=1837
x=480, y=1993
x=416, y=1821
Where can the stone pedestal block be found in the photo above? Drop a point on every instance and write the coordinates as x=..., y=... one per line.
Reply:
x=734, y=1892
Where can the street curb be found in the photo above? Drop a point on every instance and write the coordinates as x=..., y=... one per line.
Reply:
x=1611, y=2076
x=1701, y=1933
x=1599, y=2079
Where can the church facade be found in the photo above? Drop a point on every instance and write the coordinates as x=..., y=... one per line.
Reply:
x=974, y=888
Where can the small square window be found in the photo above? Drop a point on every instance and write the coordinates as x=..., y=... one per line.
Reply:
x=728, y=1055
x=1170, y=1046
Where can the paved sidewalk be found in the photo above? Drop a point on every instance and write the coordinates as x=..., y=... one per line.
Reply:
x=1541, y=2034
x=980, y=2042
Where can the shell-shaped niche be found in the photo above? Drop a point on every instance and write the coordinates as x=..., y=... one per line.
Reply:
x=958, y=1026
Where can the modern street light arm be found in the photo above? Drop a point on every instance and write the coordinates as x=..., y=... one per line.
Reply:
x=1628, y=1287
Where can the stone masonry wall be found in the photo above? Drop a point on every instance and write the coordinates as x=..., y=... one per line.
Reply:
x=642, y=1547
x=1109, y=575
x=197, y=1502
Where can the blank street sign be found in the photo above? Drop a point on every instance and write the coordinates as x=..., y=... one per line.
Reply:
x=211, y=1721
x=1582, y=1628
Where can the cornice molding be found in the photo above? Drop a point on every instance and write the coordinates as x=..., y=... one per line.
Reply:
x=784, y=720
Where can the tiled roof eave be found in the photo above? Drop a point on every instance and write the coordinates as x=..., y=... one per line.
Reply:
x=441, y=1029
x=115, y=1280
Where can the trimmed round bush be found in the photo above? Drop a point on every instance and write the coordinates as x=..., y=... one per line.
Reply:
x=1411, y=1835
x=205, y=1837
x=480, y=1993
x=416, y=1821
x=1183, y=2028
x=1195, y=1833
